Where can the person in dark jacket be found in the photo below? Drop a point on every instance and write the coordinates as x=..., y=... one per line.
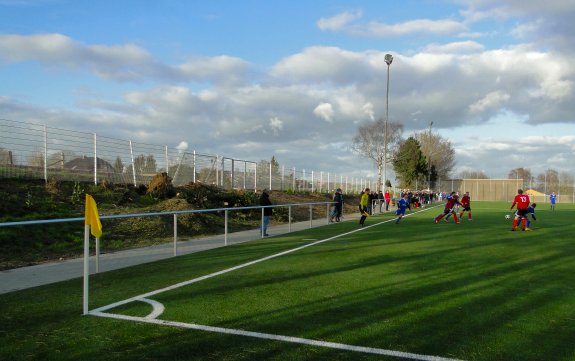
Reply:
x=267, y=212
x=338, y=206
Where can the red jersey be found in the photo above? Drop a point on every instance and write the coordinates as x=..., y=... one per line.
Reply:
x=451, y=203
x=465, y=201
x=522, y=201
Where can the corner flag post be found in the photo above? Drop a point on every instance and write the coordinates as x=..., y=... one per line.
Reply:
x=86, y=265
x=92, y=225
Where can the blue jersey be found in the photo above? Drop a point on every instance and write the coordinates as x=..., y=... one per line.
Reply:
x=530, y=211
x=552, y=198
x=402, y=206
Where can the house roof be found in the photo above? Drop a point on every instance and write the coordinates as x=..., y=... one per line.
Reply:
x=533, y=192
x=87, y=164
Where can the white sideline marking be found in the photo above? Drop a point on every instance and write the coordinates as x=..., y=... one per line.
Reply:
x=159, y=308
x=268, y=336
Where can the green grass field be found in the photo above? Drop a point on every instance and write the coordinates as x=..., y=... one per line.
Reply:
x=469, y=291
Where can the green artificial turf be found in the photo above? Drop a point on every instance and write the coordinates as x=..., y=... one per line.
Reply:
x=470, y=291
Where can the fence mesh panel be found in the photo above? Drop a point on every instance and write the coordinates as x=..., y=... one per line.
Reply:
x=35, y=151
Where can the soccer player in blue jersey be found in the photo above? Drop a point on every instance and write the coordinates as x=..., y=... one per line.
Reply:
x=530, y=211
x=402, y=205
x=553, y=200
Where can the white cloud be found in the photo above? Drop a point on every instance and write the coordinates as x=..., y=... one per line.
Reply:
x=461, y=47
x=182, y=147
x=125, y=62
x=338, y=21
x=493, y=100
x=276, y=125
x=368, y=109
x=418, y=26
x=324, y=111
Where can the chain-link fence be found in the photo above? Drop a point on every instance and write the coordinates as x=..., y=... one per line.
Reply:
x=35, y=151
x=504, y=189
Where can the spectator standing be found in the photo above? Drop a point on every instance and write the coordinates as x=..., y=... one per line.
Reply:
x=380, y=200
x=372, y=196
x=387, y=197
x=338, y=206
x=267, y=212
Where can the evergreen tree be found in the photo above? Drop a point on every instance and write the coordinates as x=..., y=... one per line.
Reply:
x=409, y=163
x=119, y=165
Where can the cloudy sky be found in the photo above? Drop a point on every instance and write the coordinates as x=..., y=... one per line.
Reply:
x=294, y=79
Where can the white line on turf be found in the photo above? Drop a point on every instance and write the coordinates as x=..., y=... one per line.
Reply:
x=159, y=308
x=267, y=336
x=235, y=268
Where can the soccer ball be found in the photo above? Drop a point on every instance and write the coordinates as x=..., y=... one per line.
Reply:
x=507, y=216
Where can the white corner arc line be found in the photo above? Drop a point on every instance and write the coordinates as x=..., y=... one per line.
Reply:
x=268, y=336
x=158, y=308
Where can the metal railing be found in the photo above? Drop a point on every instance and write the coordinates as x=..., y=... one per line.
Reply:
x=175, y=219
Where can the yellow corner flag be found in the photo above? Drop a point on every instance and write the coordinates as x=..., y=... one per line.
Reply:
x=91, y=217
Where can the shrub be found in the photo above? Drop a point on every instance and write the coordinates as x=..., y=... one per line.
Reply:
x=161, y=187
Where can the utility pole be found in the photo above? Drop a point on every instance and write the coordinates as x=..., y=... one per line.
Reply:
x=429, y=147
x=388, y=60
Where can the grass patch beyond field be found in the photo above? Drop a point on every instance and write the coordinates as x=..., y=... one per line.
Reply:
x=469, y=291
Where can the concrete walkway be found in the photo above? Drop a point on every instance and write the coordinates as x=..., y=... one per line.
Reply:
x=27, y=277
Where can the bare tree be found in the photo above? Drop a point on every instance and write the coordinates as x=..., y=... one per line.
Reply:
x=548, y=181
x=566, y=182
x=439, y=154
x=473, y=174
x=370, y=143
x=522, y=173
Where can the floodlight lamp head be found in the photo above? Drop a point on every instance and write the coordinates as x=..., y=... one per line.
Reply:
x=388, y=59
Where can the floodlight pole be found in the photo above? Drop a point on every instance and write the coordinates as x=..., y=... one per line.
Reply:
x=388, y=60
x=429, y=158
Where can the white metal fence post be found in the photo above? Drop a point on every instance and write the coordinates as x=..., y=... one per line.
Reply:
x=226, y=227
x=175, y=235
x=45, y=154
x=270, y=174
x=194, y=167
x=167, y=160
x=289, y=218
x=133, y=164
x=262, y=224
x=95, y=160
x=312, y=182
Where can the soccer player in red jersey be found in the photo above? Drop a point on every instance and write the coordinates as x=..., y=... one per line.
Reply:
x=451, y=202
x=466, y=205
x=522, y=201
